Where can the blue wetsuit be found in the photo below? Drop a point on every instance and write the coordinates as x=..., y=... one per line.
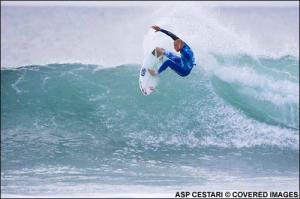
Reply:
x=181, y=65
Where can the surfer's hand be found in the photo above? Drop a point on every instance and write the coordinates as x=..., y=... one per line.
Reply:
x=156, y=28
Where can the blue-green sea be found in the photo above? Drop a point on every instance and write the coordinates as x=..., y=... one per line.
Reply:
x=81, y=129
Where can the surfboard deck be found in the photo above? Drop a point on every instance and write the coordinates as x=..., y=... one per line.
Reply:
x=148, y=82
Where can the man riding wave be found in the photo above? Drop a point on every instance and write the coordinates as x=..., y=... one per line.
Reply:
x=183, y=64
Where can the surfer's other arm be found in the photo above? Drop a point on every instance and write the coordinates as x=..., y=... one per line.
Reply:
x=173, y=36
x=178, y=43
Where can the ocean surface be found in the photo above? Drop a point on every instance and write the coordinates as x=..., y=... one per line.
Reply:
x=75, y=124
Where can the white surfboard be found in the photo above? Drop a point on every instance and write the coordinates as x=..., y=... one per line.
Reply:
x=148, y=82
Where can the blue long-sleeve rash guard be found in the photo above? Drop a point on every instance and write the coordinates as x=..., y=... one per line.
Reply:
x=181, y=65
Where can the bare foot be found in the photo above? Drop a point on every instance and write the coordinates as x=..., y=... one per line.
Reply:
x=152, y=72
x=160, y=51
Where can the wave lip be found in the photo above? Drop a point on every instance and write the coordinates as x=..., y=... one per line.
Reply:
x=265, y=92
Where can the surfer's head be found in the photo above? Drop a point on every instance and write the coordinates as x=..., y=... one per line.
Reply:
x=178, y=44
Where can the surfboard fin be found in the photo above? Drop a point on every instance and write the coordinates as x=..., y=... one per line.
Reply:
x=154, y=52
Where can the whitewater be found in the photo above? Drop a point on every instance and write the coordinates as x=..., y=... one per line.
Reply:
x=75, y=124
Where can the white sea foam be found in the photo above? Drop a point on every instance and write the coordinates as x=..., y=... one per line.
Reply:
x=109, y=35
x=264, y=88
x=86, y=190
x=238, y=131
x=228, y=31
x=215, y=181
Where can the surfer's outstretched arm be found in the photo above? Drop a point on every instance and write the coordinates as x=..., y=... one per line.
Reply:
x=173, y=36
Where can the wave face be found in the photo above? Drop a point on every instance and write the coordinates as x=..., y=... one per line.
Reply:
x=84, y=120
x=80, y=125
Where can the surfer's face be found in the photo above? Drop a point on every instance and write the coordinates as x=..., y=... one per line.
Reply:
x=178, y=44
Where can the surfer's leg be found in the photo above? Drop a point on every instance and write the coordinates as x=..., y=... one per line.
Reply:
x=175, y=67
x=174, y=62
x=170, y=64
x=173, y=57
x=164, y=66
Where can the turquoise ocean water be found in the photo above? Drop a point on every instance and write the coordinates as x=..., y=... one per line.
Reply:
x=81, y=127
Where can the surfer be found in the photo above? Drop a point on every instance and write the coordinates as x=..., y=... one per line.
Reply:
x=181, y=65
